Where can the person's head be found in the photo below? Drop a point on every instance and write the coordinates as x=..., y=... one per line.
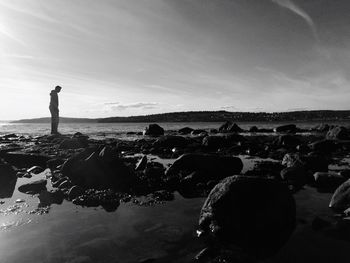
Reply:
x=58, y=88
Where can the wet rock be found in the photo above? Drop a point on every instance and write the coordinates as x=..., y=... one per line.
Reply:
x=73, y=143
x=54, y=163
x=295, y=176
x=185, y=131
x=171, y=141
x=153, y=130
x=210, y=166
x=20, y=159
x=255, y=214
x=289, y=128
x=199, y=132
x=102, y=169
x=338, y=133
x=323, y=146
x=292, y=159
x=108, y=199
x=341, y=197
x=51, y=197
x=35, y=170
x=33, y=187
x=288, y=140
x=230, y=127
x=328, y=180
x=141, y=165
x=10, y=136
x=8, y=179
x=75, y=191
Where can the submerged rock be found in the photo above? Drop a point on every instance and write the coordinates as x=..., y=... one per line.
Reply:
x=33, y=187
x=255, y=214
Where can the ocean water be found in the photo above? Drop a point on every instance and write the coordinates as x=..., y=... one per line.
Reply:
x=120, y=130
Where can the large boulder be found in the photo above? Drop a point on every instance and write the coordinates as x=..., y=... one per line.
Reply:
x=8, y=180
x=209, y=166
x=34, y=187
x=255, y=214
x=341, y=197
x=289, y=128
x=101, y=169
x=295, y=176
x=230, y=126
x=153, y=130
x=185, y=131
x=338, y=133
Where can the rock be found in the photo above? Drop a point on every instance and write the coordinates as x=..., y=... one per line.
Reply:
x=33, y=187
x=185, y=131
x=141, y=165
x=171, y=141
x=328, y=180
x=35, y=170
x=73, y=143
x=322, y=128
x=211, y=167
x=323, y=146
x=253, y=129
x=20, y=159
x=10, y=136
x=53, y=163
x=292, y=159
x=230, y=127
x=8, y=179
x=316, y=163
x=341, y=197
x=108, y=199
x=289, y=128
x=51, y=197
x=345, y=173
x=199, y=132
x=222, y=141
x=75, y=191
x=153, y=130
x=65, y=184
x=319, y=224
x=288, y=140
x=338, y=133
x=295, y=176
x=255, y=214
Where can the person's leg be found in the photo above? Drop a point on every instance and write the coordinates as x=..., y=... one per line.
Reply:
x=54, y=120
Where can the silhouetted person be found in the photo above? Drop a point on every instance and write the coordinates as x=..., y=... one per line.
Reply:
x=54, y=109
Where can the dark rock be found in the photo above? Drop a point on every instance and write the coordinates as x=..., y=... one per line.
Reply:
x=230, y=127
x=255, y=214
x=330, y=180
x=75, y=191
x=323, y=146
x=53, y=163
x=185, y=131
x=341, y=197
x=108, y=199
x=345, y=173
x=222, y=141
x=65, y=184
x=214, y=131
x=316, y=163
x=211, y=167
x=8, y=179
x=171, y=141
x=319, y=224
x=73, y=143
x=33, y=187
x=338, y=133
x=322, y=128
x=289, y=128
x=9, y=136
x=199, y=132
x=141, y=165
x=288, y=140
x=153, y=130
x=295, y=176
x=19, y=159
x=35, y=170
x=292, y=159
x=253, y=129
x=51, y=197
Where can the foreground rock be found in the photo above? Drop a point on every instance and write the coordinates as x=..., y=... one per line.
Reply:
x=208, y=166
x=33, y=187
x=338, y=133
x=341, y=197
x=8, y=179
x=255, y=214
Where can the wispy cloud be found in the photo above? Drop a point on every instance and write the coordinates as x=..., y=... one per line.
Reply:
x=138, y=105
x=290, y=5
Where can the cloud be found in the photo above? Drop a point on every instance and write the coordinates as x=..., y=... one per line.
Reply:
x=290, y=5
x=139, y=105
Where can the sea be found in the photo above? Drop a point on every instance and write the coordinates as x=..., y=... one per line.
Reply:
x=128, y=131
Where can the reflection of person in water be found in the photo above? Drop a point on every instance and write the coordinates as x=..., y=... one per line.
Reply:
x=54, y=109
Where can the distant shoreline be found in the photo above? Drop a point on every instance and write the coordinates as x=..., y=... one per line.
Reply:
x=210, y=116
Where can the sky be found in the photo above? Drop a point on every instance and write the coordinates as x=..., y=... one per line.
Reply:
x=136, y=57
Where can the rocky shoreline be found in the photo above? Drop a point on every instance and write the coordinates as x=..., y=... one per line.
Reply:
x=205, y=163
